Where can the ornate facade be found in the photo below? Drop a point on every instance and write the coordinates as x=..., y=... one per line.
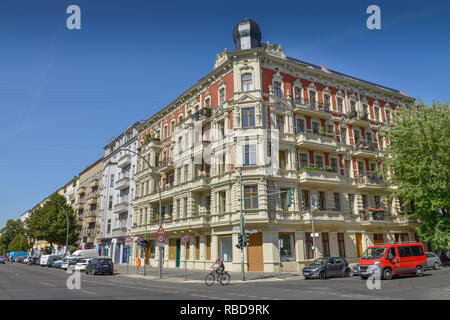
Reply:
x=283, y=124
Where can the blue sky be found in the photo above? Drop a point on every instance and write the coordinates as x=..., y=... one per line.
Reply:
x=64, y=94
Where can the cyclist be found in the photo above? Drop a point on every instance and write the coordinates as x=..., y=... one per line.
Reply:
x=220, y=266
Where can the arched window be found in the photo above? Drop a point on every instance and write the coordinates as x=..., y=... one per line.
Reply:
x=246, y=82
x=277, y=89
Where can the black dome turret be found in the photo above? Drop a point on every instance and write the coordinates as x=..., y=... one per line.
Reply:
x=247, y=35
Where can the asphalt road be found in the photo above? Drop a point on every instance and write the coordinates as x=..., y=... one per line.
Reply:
x=19, y=281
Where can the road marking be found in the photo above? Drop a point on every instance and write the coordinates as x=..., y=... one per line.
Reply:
x=47, y=284
x=88, y=292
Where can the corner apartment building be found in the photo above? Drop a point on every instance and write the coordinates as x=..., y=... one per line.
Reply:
x=117, y=193
x=69, y=191
x=87, y=204
x=283, y=124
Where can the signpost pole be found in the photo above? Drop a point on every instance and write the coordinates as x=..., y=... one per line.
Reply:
x=185, y=261
x=279, y=254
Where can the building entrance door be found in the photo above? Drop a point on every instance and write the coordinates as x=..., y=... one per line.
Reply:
x=178, y=252
x=255, y=252
x=359, y=247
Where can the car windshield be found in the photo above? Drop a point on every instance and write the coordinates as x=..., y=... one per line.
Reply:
x=319, y=262
x=373, y=253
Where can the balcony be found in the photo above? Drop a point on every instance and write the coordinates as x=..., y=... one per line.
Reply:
x=81, y=189
x=359, y=119
x=90, y=217
x=369, y=215
x=309, y=140
x=124, y=161
x=123, y=183
x=362, y=149
x=92, y=197
x=314, y=108
x=94, y=183
x=121, y=207
x=119, y=232
x=370, y=183
x=319, y=178
x=165, y=166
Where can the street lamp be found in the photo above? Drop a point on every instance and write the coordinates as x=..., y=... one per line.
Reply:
x=160, y=209
x=67, y=227
x=312, y=222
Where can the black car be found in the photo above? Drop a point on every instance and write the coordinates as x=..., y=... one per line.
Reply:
x=100, y=265
x=327, y=267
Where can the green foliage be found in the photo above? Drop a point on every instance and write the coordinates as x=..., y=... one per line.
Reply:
x=19, y=243
x=420, y=161
x=49, y=222
x=12, y=229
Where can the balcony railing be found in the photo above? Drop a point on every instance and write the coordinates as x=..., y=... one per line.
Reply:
x=314, y=105
x=369, y=215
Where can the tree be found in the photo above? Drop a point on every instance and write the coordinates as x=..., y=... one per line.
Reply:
x=49, y=222
x=12, y=229
x=417, y=163
x=19, y=243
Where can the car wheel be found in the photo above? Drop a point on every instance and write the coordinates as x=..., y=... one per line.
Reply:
x=419, y=271
x=387, y=274
x=436, y=266
x=322, y=275
x=364, y=278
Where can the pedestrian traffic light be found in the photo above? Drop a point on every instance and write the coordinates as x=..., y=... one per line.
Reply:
x=289, y=198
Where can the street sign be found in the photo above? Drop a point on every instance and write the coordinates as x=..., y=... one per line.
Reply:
x=314, y=235
x=280, y=243
x=160, y=231
x=160, y=238
x=186, y=238
x=128, y=238
x=251, y=231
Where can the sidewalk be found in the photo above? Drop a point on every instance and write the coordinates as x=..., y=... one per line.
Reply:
x=198, y=276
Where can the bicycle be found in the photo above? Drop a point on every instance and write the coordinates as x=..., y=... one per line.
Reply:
x=223, y=278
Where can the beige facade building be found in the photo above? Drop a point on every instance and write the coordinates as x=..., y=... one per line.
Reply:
x=283, y=124
x=87, y=204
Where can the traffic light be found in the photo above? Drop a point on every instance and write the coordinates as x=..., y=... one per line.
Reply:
x=289, y=198
x=245, y=240
x=240, y=241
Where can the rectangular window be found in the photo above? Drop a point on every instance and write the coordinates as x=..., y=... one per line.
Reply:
x=388, y=116
x=248, y=117
x=360, y=168
x=186, y=173
x=341, y=244
x=280, y=123
x=356, y=134
x=222, y=201
x=322, y=201
x=298, y=95
x=185, y=207
x=330, y=130
x=334, y=164
x=377, y=202
x=327, y=102
x=306, y=202
x=325, y=244
x=282, y=158
x=377, y=114
x=277, y=89
x=315, y=127
x=404, y=251
x=111, y=184
x=179, y=175
x=337, y=201
x=364, y=200
x=300, y=125
x=303, y=160
x=319, y=162
x=416, y=251
x=250, y=155
x=109, y=226
x=283, y=199
x=312, y=99
x=351, y=200
x=340, y=104
x=246, y=81
x=221, y=96
x=110, y=204
x=251, y=197
x=286, y=247
x=225, y=248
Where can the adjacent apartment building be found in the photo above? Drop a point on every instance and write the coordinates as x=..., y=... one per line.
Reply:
x=87, y=204
x=117, y=193
x=282, y=124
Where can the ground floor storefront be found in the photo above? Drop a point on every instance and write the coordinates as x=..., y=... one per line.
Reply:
x=117, y=249
x=269, y=248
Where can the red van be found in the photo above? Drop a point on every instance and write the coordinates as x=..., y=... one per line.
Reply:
x=393, y=259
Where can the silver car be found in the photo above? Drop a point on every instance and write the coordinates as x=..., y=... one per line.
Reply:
x=433, y=260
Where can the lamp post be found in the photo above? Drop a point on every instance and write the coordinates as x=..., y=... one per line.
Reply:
x=67, y=227
x=160, y=209
x=312, y=223
x=242, y=227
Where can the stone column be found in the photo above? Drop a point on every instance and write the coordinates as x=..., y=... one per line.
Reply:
x=334, y=247
x=202, y=248
x=299, y=249
x=214, y=247
x=271, y=257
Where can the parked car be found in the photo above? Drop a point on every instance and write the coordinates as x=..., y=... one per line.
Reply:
x=100, y=265
x=57, y=263
x=2, y=260
x=69, y=261
x=33, y=260
x=327, y=267
x=85, y=254
x=433, y=260
x=393, y=259
x=20, y=259
x=82, y=264
x=48, y=260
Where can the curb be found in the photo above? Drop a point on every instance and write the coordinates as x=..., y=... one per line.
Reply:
x=170, y=279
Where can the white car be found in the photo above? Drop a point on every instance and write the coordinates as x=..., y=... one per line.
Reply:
x=81, y=266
